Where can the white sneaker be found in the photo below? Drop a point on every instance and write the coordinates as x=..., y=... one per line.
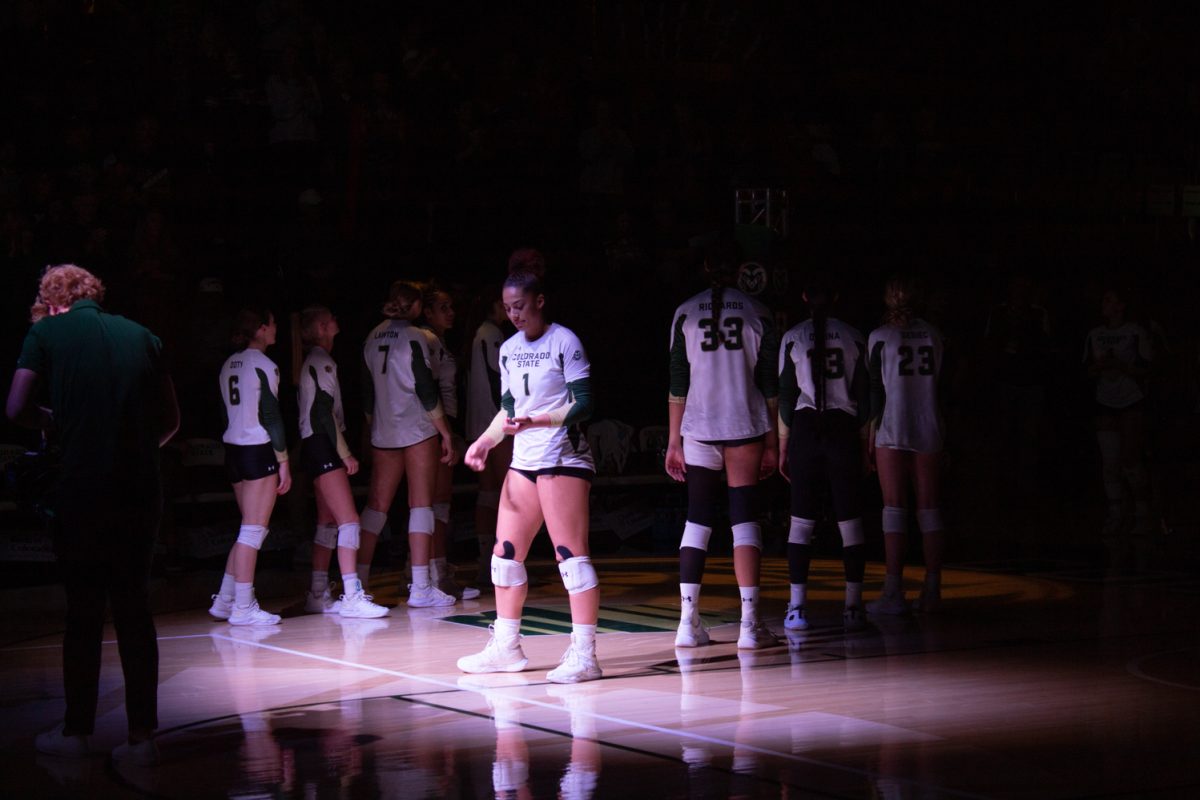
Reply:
x=358, y=605
x=140, y=754
x=893, y=604
x=428, y=596
x=252, y=615
x=220, y=608
x=691, y=633
x=54, y=743
x=755, y=635
x=320, y=603
x=578, y=664
x=496, y=657
x=795, y=619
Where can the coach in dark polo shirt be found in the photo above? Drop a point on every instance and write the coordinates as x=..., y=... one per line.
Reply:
x=112, y=406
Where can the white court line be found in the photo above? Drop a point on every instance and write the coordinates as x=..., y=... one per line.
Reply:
x=106, y=641
x=1134, y=668
x=607, y=718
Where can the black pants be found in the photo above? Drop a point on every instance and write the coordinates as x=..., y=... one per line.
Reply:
x=824, y=451
x=104, y=555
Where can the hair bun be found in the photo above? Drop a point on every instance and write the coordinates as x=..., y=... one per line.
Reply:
x=528, y=261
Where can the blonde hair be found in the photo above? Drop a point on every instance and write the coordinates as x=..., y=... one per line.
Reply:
x=62, y=286
x=310, y=321
x=401, y=299
x=900, y=295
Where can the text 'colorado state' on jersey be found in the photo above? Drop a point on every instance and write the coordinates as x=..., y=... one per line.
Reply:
x=250, y=390
x=905, y=364
x=724, y=364
x=534, y=378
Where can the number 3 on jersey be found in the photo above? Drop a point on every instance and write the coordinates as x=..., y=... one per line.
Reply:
x=731, y=337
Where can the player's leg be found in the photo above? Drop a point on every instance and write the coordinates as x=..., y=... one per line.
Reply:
x=222, y=601
x=564, y=502
x=257, y=501
x=387, y=470
x=518, y=521
x=336, y=500
x=894, y=468
x=805, y=466
x=441, y=573
x=1108, y=439
x=487, y=504
x=1132, y=428
x=704, y=464
x=844, y=457
x=319, y=599
x=421, y=464
x=927, y=478
x=742, y=464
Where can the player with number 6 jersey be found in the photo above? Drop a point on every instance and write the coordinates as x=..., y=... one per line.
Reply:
x=721, y=410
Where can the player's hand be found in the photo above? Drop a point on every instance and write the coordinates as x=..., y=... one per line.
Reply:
x=869, y=465
x=285, y=479
x=511, y=426
x=525, y=423
x=477, y=453
x=675, y=465
x=448, y=454
x=770, y=460
x=351, y=464
x=783, y=461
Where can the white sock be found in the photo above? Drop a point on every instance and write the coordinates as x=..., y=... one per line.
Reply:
x=320, y=581
x=226, y=591
x=749, y=603
x=243, y=594
x=893, y=584
x=689, y=601
x=420, y=576
x=437, y=569
x=507, y=630
x=583, y=635
x=351, y=584
x=853, y=594
x=799, y=595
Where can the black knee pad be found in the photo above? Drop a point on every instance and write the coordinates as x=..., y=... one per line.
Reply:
x=510, y=552
x=743, y=504
x=702, y=487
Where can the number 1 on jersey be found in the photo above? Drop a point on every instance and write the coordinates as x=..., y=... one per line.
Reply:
x=526, y=377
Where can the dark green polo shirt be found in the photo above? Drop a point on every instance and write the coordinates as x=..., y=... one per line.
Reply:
x=103, y=373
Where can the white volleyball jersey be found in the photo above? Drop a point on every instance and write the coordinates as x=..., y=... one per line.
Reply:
x=445, y=370
x=719, y=366
x=247, y=377
x=483, y=379
x=1128, y=344
x=403, y=389
x=320, y=394
x=845, y=359
x=905, y=364
x=534, y=376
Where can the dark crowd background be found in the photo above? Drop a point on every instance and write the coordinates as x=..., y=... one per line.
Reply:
x=198, y=154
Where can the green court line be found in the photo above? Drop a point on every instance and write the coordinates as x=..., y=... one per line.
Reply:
x=545, y=621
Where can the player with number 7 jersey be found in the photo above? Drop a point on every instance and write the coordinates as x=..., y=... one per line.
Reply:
x=905, y=362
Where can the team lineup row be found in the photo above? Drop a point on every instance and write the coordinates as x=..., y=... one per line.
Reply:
x=820, y=405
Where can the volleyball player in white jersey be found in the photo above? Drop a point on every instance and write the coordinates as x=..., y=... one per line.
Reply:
x=722, y=411
x=824, y=400
x=408, y=434
x=438, y=310
x=905, y=362
x=1118, y=355
x=483, y=403
x=327, y=459
x=545, y=393
x=256, y=460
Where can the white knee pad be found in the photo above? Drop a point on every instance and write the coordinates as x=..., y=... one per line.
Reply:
x=747, y=534
x=441, y=513
x=895, y=519
x=373, y=521
x=326, y=535
x=929, y=520
x=252, y=535
x=420, y=520
x=508, y=572
x=508, y=776
x=488, y=499
x=578, y=574
x=852, y=532
x=801, y=530
x=695, y=536
x=348, y=535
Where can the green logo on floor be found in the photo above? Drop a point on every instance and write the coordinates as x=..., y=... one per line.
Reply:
x=627, y=619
